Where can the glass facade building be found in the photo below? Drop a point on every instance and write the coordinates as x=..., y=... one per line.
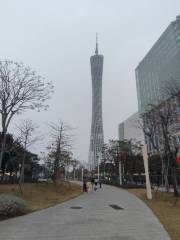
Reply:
x=159, y=67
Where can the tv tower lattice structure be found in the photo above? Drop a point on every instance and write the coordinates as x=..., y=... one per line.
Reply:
x=97, y=136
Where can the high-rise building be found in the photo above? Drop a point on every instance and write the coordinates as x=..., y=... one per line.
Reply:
x=97, y=137
x=159, y=67
x=156, y=73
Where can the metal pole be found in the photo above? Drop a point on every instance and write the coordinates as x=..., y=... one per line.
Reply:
x=65, y=173
x=82, y=173
x=104, y=174
x=74, y=173
x=98, y=166
x=148, y=184
x=120, y=174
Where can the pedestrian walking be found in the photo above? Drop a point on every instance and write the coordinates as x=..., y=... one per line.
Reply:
x=92, y=182
x=89, y=186
x=84, y=186
x=95, y=184
x=100, y=183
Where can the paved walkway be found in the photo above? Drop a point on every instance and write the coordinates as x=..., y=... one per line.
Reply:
x=96, y=220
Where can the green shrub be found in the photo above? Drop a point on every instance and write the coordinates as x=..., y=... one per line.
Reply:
x=11, y=206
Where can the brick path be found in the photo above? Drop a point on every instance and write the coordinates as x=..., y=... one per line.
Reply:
x=95, y=220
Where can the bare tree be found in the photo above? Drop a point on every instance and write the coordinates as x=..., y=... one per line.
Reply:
x=158, y=122
x=60, y=148
x=171, y=142
x=150, y=125
x=26, y=138
x=20, y=89
x=166, y=114
x=125, y=155
x=172, y=89
x=74, y=163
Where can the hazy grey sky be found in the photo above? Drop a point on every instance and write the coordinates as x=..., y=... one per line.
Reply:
x=57, y=38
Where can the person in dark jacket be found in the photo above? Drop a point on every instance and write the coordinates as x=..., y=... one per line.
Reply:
x=92, y=182
x=95, y=184
x=84, y=186
x=100, y=183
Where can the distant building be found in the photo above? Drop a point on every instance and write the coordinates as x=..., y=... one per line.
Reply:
x=121, y=131
x=97, y=136
x=130, y=129
x=159, y=67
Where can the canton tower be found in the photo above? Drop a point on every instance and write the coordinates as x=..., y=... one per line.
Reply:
x=97, y=137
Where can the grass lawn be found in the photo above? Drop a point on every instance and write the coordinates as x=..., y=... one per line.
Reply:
x=43, y=195
x=163, y=207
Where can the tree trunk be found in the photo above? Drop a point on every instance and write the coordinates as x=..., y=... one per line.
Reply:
x=56, y=170
x=2, y=148
x=21, y=179
x=174, y=180
x=130, y=177
x=166, y=181
x=166, y=165
x=74, y=173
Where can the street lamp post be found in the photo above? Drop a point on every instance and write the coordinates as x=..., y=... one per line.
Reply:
x=148, y=184
x=104, y=170
x=74, y=173
x=98, y=166
x=120, y=173
x=120, y=167
x=82, y=173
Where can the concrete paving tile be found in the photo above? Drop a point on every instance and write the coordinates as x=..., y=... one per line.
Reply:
x=96, y=220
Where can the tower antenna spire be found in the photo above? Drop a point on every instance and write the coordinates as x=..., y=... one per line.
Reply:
x=96, y=51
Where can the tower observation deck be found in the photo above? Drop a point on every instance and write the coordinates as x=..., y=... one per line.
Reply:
x=97, y=136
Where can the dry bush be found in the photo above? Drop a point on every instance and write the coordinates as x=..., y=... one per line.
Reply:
x=11, y=206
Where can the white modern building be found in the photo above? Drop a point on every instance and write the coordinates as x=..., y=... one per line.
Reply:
x=131, y=129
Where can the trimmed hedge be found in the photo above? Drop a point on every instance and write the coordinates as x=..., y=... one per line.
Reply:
x=116, y=184
x=11, y=206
